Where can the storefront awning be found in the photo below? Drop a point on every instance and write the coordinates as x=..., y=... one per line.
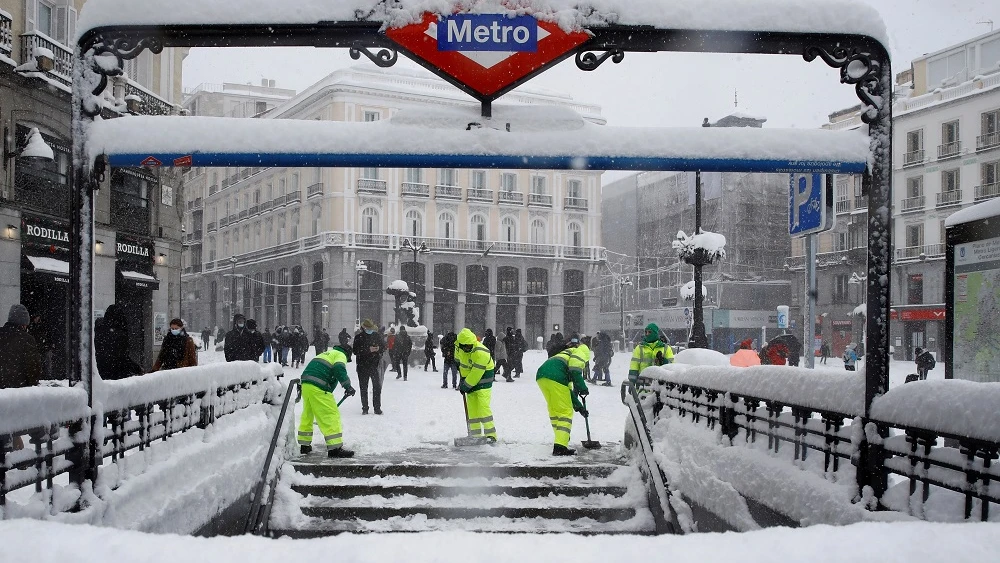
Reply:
x=140, y=280
x=57, y=269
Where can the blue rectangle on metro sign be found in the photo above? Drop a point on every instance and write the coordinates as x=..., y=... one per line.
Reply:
x=487, y=32
x=808, y=211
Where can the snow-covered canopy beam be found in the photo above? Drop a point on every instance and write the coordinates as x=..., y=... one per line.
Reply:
x=539, y=138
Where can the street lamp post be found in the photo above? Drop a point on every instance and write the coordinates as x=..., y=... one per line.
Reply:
x=622, y=283
x=412, y=247
x=232, y=286
x=359, y=267
x=698, y=337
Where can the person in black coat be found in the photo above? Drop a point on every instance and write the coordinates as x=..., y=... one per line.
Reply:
x=490, y=341
x=368, y=349
x=404, y=345
x=430, y=356
x=556, y=344
x=516, y=355
x=448, y=358
x=111, y=345
x=344, y=337
x=256, y=341
x=239, y=341
x=20, y=361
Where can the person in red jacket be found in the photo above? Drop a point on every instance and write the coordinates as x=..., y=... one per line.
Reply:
x=745, y=356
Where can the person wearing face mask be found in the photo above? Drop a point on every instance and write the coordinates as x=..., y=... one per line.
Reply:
x=239, y=345
x=178, y=349
x=368, y=349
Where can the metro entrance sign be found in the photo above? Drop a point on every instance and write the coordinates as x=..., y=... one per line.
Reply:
x=486, y=55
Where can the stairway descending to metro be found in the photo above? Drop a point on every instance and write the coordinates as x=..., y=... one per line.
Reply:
x=316, y=497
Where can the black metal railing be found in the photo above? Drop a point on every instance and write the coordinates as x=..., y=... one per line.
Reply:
x=259, y=511
x=658, y=493
x=60, y=446
x=63, y=57
x=6, y=35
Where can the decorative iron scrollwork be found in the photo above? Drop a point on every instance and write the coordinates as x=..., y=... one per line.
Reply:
x=858, y=68
x=587, y=60
x=105, y=58
x=385, y=58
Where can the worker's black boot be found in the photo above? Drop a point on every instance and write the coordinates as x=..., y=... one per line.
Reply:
x=559, y=449
x=340, y=452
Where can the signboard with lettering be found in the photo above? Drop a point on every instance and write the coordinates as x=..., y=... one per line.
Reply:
x=976, y=285
x=810, y=205
x=486, y=54
x=44, y=232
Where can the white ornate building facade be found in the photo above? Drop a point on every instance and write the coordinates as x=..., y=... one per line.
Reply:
x=518, y=248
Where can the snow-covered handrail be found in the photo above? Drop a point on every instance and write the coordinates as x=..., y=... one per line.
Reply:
x=447, y=141
x=951, y=407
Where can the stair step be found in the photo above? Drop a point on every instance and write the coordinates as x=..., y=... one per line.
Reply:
x=323, y=533
x=463, y=513
x=456, y=471
x=438, y=491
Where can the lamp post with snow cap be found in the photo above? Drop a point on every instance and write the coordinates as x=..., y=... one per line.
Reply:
x=359, y=267
x=415, y=249
x=698, y=337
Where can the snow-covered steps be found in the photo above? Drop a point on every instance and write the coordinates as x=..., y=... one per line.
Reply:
x=317, y=497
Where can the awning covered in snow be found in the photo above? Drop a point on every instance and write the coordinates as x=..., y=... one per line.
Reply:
x=54, y=268
x=515, y=138
x=140, y=280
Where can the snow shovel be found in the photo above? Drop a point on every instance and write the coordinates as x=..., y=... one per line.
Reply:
x=469, y=440
x=588, y=443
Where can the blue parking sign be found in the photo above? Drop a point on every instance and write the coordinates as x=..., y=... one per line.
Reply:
x=810, y=204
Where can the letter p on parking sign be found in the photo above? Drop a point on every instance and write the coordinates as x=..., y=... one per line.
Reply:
x=810, y=204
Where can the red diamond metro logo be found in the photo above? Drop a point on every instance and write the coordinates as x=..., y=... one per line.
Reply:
x=485, y=52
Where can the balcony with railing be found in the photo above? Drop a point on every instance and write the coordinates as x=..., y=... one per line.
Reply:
x=988, y=141
x=949, y=198
x=539, y=200
x=913, y=158
x=949, y=150
x=861, y=203
x=149, y=103
x=415, y=189
x=447, y=192
x=266, y=206
x=923, y=252
x=987, y=191
x=213, y=189
x=225, y=183
x=510, y=198
x=245, y=214
x=477, y=194
x=576, y=251
x=913, y=204
x=293, y=198
x=6, y=35
x=196, y=204
x=63, y=69
x=211, y=227
x=843, y=206
x=254, y=210
x=369, y=186
x=224, y=222
x=369, y=239
x=575, y=203
x=315, y=190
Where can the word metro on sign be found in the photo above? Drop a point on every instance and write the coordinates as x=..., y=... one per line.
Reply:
x=488, y=32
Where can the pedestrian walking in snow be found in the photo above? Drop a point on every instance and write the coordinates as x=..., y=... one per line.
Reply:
x=517, y=355
x=111, y=346
x=368, y=350
x=285, y=341
x=343, y=337
x=500, y=357
x=850, y=357
x=824, y=352
x=429, y=353
x=267, y=338
x=206, y=337
x=746, y=356
x=603, y=352
x=390, y=344
x=404, y=345
x=560, y=378
x=257, y=342
x=20, y=360
x=555, y=344
x=925, y=363
x=490, y=341
x=178, y=349
x=319, y=379
x=448, y=360
x=239, y=342
x=477, y=371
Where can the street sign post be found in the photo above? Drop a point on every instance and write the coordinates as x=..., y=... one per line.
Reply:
x=810, y=204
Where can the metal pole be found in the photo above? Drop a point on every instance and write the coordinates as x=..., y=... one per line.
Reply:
x=698, y=338
x=232, y=287
x=810, y=316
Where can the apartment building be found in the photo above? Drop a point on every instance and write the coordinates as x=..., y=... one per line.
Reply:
x=506, y=247
x=137, y=243
x=946, y=155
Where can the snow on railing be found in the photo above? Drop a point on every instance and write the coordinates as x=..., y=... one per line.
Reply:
x=943, y=435
x=43, y=431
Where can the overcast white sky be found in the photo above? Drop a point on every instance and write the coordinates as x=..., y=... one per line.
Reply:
x=663, y=89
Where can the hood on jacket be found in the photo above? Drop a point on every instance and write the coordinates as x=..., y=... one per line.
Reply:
x=466, y=337
x=650, y=338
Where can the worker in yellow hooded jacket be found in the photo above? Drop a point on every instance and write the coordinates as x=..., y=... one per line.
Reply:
x=476, y=368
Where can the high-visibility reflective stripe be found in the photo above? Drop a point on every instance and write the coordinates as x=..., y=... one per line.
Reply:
x=324, y=360
x=313, y=379
x=480, y=366
x=476, y=431
x=306, y=441
x=561, y=419
x=562, y=429
x=481, y=349
x=307, y=434
x=487, y=419
x=333, y=437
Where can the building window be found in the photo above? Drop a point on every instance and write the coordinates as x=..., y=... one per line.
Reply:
x=538, y=232
x=840, y=285
x=575, y=235
x=991, y=122
x=317, y=213
x=508, y=228
x=446, y=225
x=574, y=189
x=915, y=289
x=914, y=235
x=947, y=70
x=915, y=141
x=369, y=173
x=508, y=182
x=538, y=185
x=370, y=116
x=479, y=227
x=369, y=221
x=447, y=177
x=281, y=186
x=478, y=180
x=990, y=173
x=414, y=223
x=415, y=175
x=260, y=108
x=915, y=186
x=949, y=133
x=950, y=180
x=130, y=201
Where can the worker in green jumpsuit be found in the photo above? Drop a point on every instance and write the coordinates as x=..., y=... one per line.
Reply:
x=561, y=380
x=476, y=368
x=319, y=379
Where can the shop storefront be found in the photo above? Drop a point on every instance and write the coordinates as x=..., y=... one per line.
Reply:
x=45, y=281
x=135, y=283
x=922, y=327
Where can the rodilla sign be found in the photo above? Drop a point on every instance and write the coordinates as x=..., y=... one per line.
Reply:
x=488, y=32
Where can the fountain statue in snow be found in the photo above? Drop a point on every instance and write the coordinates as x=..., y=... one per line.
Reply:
x=407, y=312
